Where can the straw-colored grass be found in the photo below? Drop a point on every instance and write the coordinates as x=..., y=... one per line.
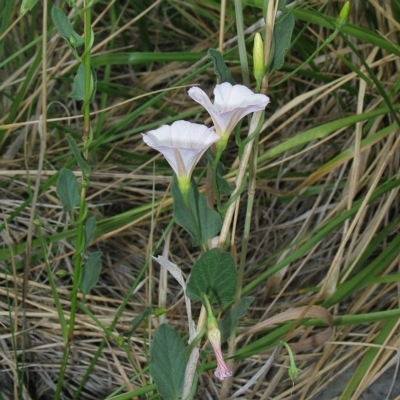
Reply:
x=324, y=228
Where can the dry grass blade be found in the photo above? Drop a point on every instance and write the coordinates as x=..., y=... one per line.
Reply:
x=324, y=239
x=297, y=314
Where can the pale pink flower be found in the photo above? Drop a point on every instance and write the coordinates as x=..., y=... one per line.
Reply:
x=231, y=104
x=222, y=371
x=182, y=144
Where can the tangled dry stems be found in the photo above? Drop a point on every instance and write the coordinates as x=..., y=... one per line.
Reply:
x=281, y=216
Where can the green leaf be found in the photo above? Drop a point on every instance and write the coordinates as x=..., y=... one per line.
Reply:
x=27, y=5
x=75, y=40
x=83, y=165
x=65, y=29
x=231, y=318
x=68, y=189
x=199, y=220
x=61, y=22
x=221, y=70
x=168, y=362
x=78, y=88
x=89, y=230
x=91, y=272
x=282, y=5
x=215, y=275
x=223, y=186
x=282, y=38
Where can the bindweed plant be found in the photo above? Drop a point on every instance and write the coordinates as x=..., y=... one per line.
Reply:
x=215, y=278
x=71, y=193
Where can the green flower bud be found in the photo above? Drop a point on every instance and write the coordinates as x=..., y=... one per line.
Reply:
x=62, y=272
x=343, y=16
x=293, y=372
x=37, y=222
x=120, y=340
x=160, y=311
x=72, y=41
x=258, y=58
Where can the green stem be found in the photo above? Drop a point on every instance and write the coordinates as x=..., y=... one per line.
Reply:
x=214, y=178
x=118, y=314
x=206, y=304
x=75, y=287
x=88, y=73
x=60, y=312
x=293, y=371
x=80, y=241
x=63, y=369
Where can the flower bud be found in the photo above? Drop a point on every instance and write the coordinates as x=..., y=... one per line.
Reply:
x=62, y=273
x=258, y=58
x=213, y=242
x=72, y=41
x=160, y=311
x=120, y=340
x=293, y=371
x=343, y=16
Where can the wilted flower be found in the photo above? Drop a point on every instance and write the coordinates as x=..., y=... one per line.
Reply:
x=214, y=336
x=231, y=104
x=182, y=144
